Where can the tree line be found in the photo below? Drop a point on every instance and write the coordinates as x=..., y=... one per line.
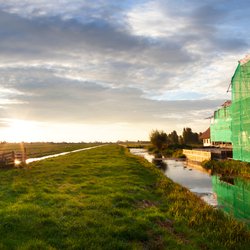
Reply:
x=161, y=139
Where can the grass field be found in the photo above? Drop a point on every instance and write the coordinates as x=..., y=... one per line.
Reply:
x=38, y=149
x=105, y=198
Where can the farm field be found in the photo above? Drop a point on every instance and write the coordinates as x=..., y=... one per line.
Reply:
x=105, y=198
x=38, y=149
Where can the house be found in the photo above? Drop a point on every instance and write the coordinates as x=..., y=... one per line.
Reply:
x=206, y=138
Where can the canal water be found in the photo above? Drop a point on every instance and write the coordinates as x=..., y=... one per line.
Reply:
x=232, y=196
x=56, y=155
x=198, y=182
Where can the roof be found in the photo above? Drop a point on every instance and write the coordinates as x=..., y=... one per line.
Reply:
x=246, y=59
x=227, y=103
x=206, y=134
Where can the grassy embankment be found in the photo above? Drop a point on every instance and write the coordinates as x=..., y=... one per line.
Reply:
x=106, y=198
x=228, y=168
x=38, y=149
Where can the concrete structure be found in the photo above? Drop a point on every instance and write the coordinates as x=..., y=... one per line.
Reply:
x=196, y=157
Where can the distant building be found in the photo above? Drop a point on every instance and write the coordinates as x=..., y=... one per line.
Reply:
x=221, y=126
x=206, y=138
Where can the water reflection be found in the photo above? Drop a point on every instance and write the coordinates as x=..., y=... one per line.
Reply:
x=199, y=182
x=229, y=194
x=162, y=165
x=233, y=195
x=196, y=181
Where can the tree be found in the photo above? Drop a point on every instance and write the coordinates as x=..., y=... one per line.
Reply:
x=159, y=139
x=181, y=141
x=189, y=137
x=173, y=138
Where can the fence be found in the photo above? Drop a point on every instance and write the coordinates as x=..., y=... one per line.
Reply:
x=12, y=158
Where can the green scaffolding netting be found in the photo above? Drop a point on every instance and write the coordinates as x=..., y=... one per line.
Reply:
x=220, y=128
x=233, y=199
x=241, y=112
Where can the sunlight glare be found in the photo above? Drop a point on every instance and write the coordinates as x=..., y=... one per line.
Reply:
x=20, y=130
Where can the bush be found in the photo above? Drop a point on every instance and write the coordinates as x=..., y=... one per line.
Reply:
x=228, y=167
x=178, y=154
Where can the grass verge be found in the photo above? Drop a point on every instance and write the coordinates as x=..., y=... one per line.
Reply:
x=106, y=198
x=228, y=168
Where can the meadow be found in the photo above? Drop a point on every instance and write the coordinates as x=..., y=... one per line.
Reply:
x=38, y=149
x=106, y=198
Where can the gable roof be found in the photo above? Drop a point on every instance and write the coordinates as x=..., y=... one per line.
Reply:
x=206, y=134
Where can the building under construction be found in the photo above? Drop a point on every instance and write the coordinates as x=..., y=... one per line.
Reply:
x=231, y=123
x=221, y=126
x=240, y=86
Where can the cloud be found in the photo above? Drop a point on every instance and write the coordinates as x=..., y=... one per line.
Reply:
x=112, y=62
x=91, y=47
x=3, y=123
x=57, y=99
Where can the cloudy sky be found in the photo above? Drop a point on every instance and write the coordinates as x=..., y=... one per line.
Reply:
x=78, y=70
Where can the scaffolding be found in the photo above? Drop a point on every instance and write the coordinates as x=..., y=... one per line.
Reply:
x=241, y=111
x=221, y=125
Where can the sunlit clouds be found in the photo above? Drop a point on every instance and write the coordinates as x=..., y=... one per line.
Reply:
x=151, y=20
x=115, y=70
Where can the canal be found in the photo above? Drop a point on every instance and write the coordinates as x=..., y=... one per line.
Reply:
x=30, y=160
x=232, y=196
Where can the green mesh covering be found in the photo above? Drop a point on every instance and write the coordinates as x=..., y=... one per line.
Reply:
x=241, y=112
x=233, y=199
x=220, y=128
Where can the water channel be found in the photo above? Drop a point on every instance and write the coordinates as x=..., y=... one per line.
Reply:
x=196, y=181
x=233, y=198
x=59, y=154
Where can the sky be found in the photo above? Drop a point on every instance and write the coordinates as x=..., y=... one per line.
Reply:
x=78, y=70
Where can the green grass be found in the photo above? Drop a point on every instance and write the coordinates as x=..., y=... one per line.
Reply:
x=172, y=150
x=228, y=168
x=105, y=198
x=38, y=149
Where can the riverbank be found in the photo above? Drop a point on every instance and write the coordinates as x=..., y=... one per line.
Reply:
x=107, y=198
x=229, y=168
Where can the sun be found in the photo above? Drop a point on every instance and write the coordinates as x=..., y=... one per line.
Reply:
x=21, y=130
